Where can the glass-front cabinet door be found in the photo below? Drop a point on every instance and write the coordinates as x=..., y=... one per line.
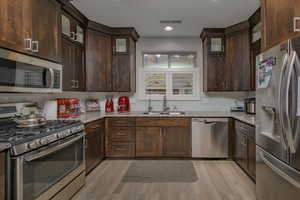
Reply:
x=216, y=45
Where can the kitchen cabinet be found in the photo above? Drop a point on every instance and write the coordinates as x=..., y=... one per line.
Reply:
x=255, y=46
x=72, y=29
x=238, y=57
x=214, y=70
x=245, y=148
x=31, y=27
x=73, y=60
x=2, y=176
x=177, y=141
x=46, y=29
x=15, y=24
x=163, y=137
x=98, y=62
x=94, y=153
x=149, y=142
x=280, y=19
x=124, y=64
x=148, y=137
x=120, y=137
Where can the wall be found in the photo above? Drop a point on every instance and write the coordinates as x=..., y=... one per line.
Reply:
x=208, y=102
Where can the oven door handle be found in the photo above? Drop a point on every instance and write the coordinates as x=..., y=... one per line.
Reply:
x=53, y=149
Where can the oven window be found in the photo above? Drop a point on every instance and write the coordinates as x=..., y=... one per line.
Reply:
x=39, y=175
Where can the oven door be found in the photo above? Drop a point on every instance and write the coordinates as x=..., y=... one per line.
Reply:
x=41, y=174
x=21, y=73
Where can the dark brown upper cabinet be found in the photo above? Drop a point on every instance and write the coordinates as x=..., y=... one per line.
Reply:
x=124, y=64
x=255, y=45
x=73, y=57
x=31, y=27
x=238, y=57
x=227, y=70
x=72, y=29
x=73, y=53
x=98, y=61
x=280, y=21
x=214, y=71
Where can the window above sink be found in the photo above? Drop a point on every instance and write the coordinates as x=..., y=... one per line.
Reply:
x=174, y=74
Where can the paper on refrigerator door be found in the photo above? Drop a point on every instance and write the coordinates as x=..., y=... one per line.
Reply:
x=298, y=98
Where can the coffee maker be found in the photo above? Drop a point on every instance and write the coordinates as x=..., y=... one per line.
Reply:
x=123, y=104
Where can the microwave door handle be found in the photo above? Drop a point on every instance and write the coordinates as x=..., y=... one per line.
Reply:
x=52, y=77
x=283, y=69
x=52, y=149
x=289, y=135
x=279, y=172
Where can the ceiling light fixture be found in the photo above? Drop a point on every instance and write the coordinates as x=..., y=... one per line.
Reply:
x=168, y=28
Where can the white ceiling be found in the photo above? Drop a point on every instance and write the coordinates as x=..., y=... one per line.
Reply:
x=145, y=15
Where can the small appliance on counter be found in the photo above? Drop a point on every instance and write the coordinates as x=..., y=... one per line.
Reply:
x=92, y=105
x=250, y=105
x=123, y=104
x=109, y=105
x=68, y=108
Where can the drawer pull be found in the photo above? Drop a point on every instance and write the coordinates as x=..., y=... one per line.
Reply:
x=121, y=149
x=95, y=127
x=121, y=134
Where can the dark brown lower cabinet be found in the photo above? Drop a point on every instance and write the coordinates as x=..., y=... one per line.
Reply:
x=177, y=142
x=149, y=142
x=163, y=142
x=252, y=157
x=244, y=148
x=2, y=176
x=94, y=149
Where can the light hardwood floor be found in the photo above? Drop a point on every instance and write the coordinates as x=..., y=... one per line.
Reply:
x=217, y=180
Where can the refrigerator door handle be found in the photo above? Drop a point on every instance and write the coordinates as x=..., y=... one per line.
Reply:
x=280, y=172
x=289, y=133
x=283, y=69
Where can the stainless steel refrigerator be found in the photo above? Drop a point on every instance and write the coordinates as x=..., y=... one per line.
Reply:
x=278, y=122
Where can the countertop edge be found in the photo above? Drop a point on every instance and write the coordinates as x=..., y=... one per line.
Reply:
x=90, y=117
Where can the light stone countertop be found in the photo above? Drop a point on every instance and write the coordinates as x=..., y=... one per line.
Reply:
x=92, y=116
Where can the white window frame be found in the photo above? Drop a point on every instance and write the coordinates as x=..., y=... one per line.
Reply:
x=169, y=92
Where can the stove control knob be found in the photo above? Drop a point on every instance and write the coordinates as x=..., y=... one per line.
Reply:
x=32, y=145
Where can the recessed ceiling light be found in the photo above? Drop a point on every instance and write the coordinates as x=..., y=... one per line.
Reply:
x=168, y=28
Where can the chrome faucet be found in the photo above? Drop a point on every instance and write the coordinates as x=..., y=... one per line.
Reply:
x=165, y=107
x=150, y=108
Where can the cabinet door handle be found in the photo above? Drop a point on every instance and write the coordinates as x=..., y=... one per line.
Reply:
x=35, y=46
x=73, y=83
x=77, y=84
x=296, y=19
x=28, y=44
x=121, y=134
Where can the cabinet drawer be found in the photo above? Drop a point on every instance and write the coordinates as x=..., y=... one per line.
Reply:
x=118, y=121
x=163, y=122
x=91, y=127
x=245, y=128
x=119, y=149
x=125, y=134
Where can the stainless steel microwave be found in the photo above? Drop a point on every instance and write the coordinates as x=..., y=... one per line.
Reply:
x=21, y=73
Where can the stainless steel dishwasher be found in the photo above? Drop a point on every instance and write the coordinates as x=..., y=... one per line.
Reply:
x=210, y=138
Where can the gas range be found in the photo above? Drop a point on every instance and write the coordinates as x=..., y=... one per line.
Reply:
x=23, y=140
